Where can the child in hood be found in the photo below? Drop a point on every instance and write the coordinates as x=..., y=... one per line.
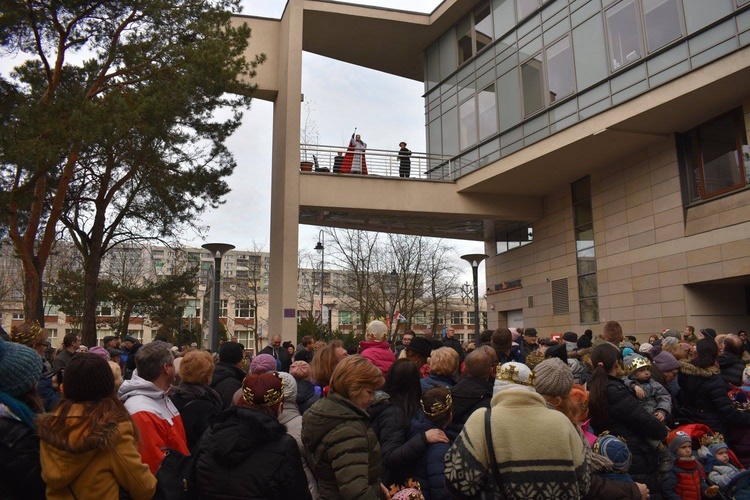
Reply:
x=617, y=458
x=687, y=479
x=719, y=467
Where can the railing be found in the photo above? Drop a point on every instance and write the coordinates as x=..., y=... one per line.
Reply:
x=379, y=162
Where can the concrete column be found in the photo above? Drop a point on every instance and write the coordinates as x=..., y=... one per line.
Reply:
x=285, y=177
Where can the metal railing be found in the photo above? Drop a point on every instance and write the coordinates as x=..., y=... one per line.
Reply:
x=379, y=162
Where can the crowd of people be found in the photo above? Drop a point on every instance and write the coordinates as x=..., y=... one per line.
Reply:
x=513, y=416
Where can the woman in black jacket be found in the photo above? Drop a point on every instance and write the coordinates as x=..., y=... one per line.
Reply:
x=391, y=413
x=703, y=393
x=246, y=452
x=613, y=408
x=194, y=399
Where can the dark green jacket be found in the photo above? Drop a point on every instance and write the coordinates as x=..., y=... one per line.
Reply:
x=345, y=451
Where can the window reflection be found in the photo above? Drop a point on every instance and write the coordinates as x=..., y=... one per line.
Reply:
x=662, y=22
x=560, y=70
x=624, y=36
x=467, y=124
x=531, y=76
x=487, y=104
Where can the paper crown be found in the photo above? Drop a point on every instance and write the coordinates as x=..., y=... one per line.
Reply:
x=272, y=397
x=509, y=373
x=26, y=335
x=636, y=364
x=438, y=408
x=707, y=440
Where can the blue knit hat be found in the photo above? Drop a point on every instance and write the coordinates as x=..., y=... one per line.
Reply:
x=611, y=447
x=20, y=368
x=716, y=447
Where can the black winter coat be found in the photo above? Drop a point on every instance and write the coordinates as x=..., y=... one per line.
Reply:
x=469, y=394
x=456, y=346
x=226, y=380
x=305, y=395
x=703, y=398
x=20, y=470
x=731, y=367
x=197, y=404
x=399, y=453
x=626, y=418
x=248, y=454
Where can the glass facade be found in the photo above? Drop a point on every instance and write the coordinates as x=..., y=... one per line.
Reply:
x=512, y=72
x=588, y=290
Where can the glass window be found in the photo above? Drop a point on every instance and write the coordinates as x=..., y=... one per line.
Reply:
x=433, y=65
x=450, y=132
x=345, y=317
x=718, y=156
x=589, y=310
x=560, y=70
x=509, y=107
x=662, y=22
x=624, y=34
x=467, y=113
x=487, y=104
x=504, y=16
x=526, y=7
x=531, y=76
x=243, y=309
x=435, y=146
x=457, y=318
x=223, y=306
x=463, y=38
x=447, y=53
x=586, y=260
x=469, y=317
x=483, y=25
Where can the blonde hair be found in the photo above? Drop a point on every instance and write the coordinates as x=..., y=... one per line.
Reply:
x=444, y=361
x=196, y=367
x=354, y=374
x=117, y=372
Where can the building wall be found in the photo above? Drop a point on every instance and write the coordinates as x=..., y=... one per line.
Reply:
x=654, y=256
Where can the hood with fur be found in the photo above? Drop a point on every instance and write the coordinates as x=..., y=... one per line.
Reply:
x=688, y=368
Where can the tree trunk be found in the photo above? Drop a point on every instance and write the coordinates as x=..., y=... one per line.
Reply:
x=33, y=306
x=91, y=285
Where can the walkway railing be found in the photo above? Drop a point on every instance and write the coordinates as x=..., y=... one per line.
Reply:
x=380, y=162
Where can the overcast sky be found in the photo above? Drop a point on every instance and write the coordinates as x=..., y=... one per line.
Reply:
x=385, y=109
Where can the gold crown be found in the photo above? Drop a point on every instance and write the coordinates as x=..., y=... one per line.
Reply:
x=271, y=398
x=512, y=374
x=438, y=408
x=27, y=336
x=636, y=364
x=708, y=440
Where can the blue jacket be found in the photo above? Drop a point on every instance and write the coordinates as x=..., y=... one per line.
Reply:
x=430, y=469
x=436, y=381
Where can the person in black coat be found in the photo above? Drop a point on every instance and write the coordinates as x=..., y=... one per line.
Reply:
x=20, y=468
x=451, y=341
x=731, y=364
x=404, y=160
x=279, y=352
x=247, y=453
x=613, y=408
x=474, y=390
x=194, y=399
x=390, y=414
x=703, y=393
x=228, y=375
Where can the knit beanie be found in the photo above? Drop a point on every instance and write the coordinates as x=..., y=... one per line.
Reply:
x=709, y=333
x=611, y=447
x=553, y=378
x=717, y=447
x=584, y=342
x=290, y=387
x=708, y=351
x=557, y=351
x=668, y=341
x=376, y=331
x=265, y=390
x=666, y=362
x=88, y=377
x=263, y=363
x=677, y=439
x=100, y=351
x=669, y=333
x=231, y=352
x=514, y=375
x=300, y=370
x=20, y=368
x=645, y=347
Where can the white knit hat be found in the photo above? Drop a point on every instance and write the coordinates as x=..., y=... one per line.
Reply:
x=513, y=375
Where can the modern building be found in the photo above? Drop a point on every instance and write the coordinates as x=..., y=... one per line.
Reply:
x=598, y=148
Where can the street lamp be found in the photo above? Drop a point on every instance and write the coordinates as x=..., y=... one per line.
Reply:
x=321, y=249
x=394, y=290
x=474, y=259
x=218, y=250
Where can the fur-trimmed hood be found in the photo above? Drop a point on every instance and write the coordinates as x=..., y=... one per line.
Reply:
x=687, y=368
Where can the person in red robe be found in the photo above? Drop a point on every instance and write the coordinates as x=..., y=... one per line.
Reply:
x=354, y=159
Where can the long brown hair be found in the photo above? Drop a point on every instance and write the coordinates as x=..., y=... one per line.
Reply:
x=323, y=363
x=94, y=415
x=604, y=357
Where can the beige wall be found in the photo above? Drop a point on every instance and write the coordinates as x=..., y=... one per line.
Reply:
x=653, y=257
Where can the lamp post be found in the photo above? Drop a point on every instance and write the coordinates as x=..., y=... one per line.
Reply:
x=394, y=291
x=330, y=307
x=321, y=249
x=217, y=250
x=474, y=259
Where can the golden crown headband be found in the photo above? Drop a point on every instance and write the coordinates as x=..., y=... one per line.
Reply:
x=25, y=337
x=707, y=440
x=271, y=398
x=511, y=374
x=638, y=363
x=438, y=408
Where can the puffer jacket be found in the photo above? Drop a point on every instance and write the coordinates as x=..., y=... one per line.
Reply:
x=731, y=367
x=20, y=471
x=248, y=454
x=345, y=451
x=196, y=404
x=399, y=452
x=430, y=469
x=703, y=397
x=686, y=481
x=626, y=418
x=94, y=462
x=379, y=354
x=226, y=380
x=306, y=395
